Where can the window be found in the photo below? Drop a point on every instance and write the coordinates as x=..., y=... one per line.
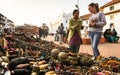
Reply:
x=111, y=8
x=86, y=22
x=111, y=17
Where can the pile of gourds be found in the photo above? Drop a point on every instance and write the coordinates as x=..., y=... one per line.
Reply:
x=72, y=58
x=106, y=66
x=39, y=66
x=58, y=60
x=111, y=64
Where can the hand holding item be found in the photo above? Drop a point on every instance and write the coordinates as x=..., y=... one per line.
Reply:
x=78, y=26
x=75, y=26
x=92, y=24
x=94, y=20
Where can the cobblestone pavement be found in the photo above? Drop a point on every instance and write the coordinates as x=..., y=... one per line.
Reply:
x=107, y=49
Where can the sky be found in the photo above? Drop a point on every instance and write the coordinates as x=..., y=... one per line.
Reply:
x=37, y=12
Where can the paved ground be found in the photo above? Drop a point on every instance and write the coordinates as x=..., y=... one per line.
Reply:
x=107, y=49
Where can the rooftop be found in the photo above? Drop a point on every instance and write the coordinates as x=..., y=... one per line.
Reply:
x=110, y=3
x=85, y=17
x=10, y=20
x=2, y=15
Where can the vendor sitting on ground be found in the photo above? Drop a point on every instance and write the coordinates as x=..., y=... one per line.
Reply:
x=111, y=35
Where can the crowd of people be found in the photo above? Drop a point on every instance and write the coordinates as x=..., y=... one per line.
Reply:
x=111, y=35
x=43, y=31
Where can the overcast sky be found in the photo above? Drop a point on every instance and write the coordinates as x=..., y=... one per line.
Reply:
x=38, y=11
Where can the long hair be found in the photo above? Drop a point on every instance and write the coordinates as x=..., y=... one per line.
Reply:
x=96, y=5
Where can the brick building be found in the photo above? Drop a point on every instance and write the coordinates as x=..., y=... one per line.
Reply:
x=28, y=29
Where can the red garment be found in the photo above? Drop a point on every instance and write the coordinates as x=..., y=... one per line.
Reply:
x=75, y=40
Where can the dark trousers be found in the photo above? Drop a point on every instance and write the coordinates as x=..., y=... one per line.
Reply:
x=75, y=49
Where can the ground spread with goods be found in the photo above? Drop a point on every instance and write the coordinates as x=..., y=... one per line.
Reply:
x=29, y=56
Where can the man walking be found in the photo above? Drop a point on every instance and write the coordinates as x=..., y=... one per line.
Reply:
x=61, y=32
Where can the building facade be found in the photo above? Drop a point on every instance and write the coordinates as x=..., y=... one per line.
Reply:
x=2, y=22
x=10, y=26
x=6, y=24
x=27, y=29
x=85, y=19
x=112, y=12
x=63, y=18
